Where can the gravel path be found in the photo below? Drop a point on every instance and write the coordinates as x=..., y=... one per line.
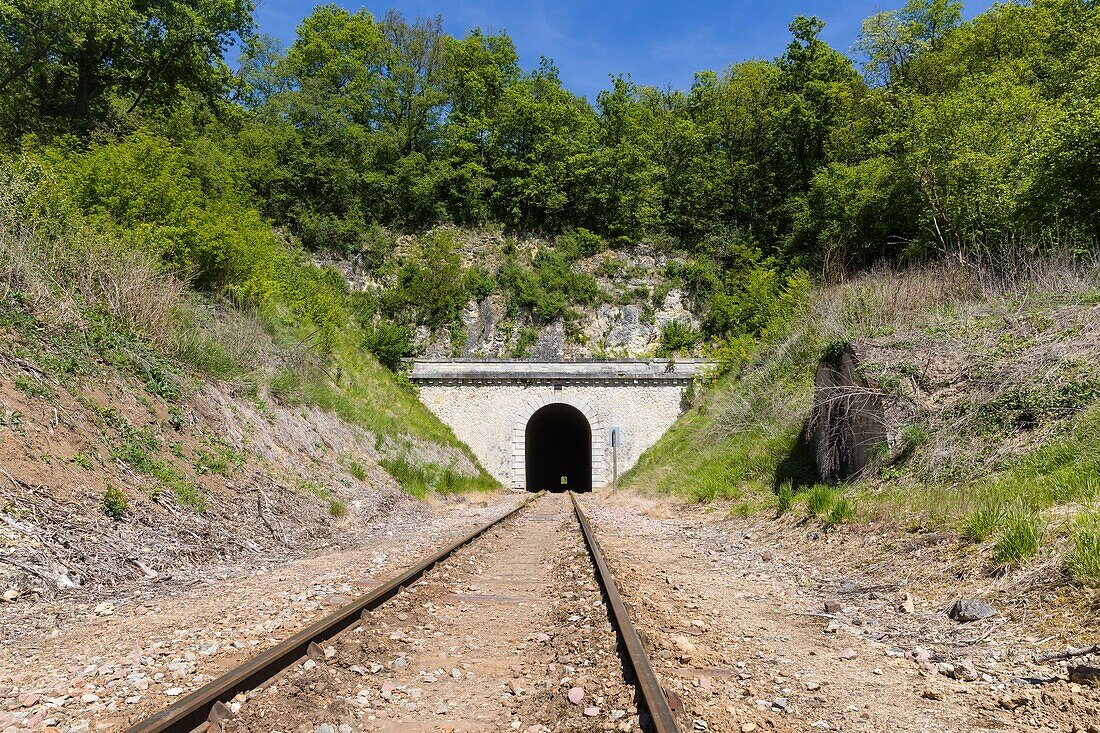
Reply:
x=752, y=625
x=738, y=628
x=78, y=664
x=510, y=633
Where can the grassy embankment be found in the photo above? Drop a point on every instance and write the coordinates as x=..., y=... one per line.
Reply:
x=99, y=276
x=1013, y=464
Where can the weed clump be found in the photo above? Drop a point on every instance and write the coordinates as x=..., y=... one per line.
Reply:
x=356, y=469
x=829, y=504
x=222, y=460
x=842, y=511
x=1083, y=561
x=980, y=524
x=820, y=500
x=1019, y=540
x=785, y=498
x=114, y=502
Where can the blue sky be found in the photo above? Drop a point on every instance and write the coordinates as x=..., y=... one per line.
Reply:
x=658, y=42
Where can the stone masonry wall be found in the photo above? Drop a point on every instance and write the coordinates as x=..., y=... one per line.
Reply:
x=491, y=419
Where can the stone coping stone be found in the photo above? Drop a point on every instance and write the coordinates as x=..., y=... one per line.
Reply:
x=431, y=370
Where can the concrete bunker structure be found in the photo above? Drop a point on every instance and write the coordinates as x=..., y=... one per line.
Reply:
x=556, y=425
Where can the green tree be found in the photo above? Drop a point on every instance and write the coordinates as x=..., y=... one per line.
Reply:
x=479, y=70
x=626, y=193
x=65, y=63
x=889, y=40
x=541, y=152
x=817, y=89
x=411, y=94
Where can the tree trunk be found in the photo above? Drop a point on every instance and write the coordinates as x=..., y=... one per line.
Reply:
x=87, y=68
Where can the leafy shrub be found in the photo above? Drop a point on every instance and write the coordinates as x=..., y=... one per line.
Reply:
x=660, y=292
x=527, y=338
x=114, y=502
x=1035, y=404
x=222, y=460
x=612, y=268
x=390, y=342
x=459, y=337
x=34, y=388
x=430, y=286
x=326, y=232
x=194, y=219
x=190, y=496
x=312, y=297
x=550, y=288
x=1019, y=539
x=733, y=353
x=701, y=278
x=677, y=337
x=578, y=244
x=479, y=283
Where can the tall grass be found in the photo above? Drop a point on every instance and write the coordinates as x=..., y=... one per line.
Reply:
x=820, y=500
x=1019, y=539
x=1082, y=562
x=420, y=479
x=980, y=524
x=842, y=510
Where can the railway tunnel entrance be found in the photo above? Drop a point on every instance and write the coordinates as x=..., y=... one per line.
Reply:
x=531, y=422
x=558, y=449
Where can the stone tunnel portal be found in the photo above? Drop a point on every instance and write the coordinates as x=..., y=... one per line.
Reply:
x=558, y=449
x=528, y=421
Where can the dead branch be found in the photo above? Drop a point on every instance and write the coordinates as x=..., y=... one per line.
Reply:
x=1069, y=653
x=261, y=498
x=32, y=570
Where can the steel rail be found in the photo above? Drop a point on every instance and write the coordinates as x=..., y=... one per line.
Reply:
x=647, y=682
x=194, y=709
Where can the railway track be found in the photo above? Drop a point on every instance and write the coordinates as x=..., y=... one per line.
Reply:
x=517, y=626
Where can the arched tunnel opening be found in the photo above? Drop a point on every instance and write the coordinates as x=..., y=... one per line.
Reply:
x=558, y=446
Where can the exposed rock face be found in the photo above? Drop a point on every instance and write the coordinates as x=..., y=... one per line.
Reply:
x=627, y=331
x=550, y=345
x=630, y=330
x=481, y=321
x=847, y=425
x=635, y=303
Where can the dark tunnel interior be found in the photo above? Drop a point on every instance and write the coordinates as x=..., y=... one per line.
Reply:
x=558, y=445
